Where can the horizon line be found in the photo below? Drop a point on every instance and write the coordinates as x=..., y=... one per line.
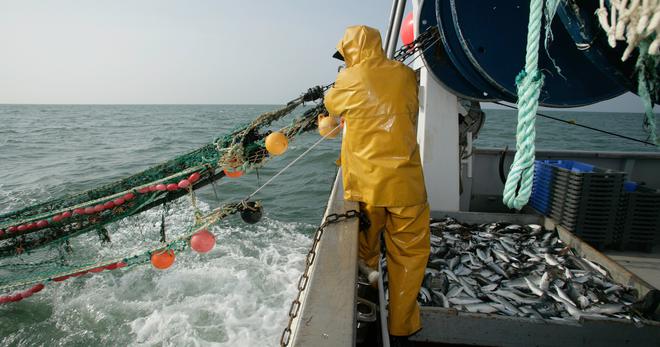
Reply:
x=270, y=104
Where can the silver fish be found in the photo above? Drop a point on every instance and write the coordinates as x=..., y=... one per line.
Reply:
x=536, y=290
x=572, y=310
x=442, y=299
x=596, y=267
x=564, y=296
x=544, y=283
x=606, y=308
x=530, y=312
x=507, y=305
x=480, y=308
x=489, y=288
x=497, y=269
x=552, y=261
x=515, y=297
x=454, y=291
x=467, y=288
x=462, y=300
x=501, y=255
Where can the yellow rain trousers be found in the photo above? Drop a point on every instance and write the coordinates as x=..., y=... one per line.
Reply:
x=407, y=243
x=381, y=166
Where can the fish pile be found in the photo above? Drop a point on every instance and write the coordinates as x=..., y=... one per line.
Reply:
x=516, y=270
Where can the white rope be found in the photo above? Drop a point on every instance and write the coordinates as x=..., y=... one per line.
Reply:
x=632, y=21
x=292, y=162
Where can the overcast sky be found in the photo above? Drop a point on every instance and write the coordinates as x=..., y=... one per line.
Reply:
x=171, y=52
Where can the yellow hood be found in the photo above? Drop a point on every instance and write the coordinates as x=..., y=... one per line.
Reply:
x=378, y=99
x=359, y=44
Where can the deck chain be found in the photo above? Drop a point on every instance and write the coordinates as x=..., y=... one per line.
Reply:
x=425, y=40
x=294, y=310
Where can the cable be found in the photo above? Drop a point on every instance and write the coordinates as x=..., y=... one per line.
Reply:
x=292, y=162
x=581, y=125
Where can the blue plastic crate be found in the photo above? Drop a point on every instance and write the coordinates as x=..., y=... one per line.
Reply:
x=584, y=198
x=541, y=196
x=541, y=205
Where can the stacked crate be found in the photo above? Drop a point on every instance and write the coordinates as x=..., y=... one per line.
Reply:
x=639, y=218
x=542, y=187
x=583, y=198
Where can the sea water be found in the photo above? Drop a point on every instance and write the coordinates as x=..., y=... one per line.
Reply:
x=239, y=293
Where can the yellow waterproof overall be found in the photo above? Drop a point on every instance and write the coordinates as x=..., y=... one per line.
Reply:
x=381, y=166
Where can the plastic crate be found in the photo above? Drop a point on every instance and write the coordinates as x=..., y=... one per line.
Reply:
x=585, y=200
x=639, y=218
x=542, y=188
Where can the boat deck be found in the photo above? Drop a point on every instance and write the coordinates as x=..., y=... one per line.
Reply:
x=644, y=265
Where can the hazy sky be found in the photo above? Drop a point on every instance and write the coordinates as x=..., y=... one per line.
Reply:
x=158, y=51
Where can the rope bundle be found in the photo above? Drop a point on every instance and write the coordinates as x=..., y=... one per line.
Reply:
x=518, y=186
x=632, y=21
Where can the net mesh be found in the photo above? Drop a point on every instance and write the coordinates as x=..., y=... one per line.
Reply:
x=79, y=233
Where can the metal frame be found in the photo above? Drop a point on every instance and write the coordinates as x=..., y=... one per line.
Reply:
x=391, y=38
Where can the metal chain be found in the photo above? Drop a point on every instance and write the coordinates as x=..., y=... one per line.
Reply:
x=294, y=310
x=429, y=37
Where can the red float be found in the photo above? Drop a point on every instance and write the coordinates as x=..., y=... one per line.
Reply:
x=37, y=288
x=42, y=223
x=4, y=299
x=57, y=218
x=89, y=210
x=121, y=264
x=184, y=184
x=15, y=297
x=108, y=205
x=111, y=266
x=129, y=196
x=61, y=278
x=22, y=227
x=25, y=294
x=78, y=274
x=99, y=208
x=119, y=201
x=66, y=215
x=172, y=187
x=203, y=241
x=407, y=30
x=152, y=188
x=97, y=269
x=12, y=229
x=161, y=187
x=144, y=190
x=194, y=177
x=2, y=232
x=31, y=226
x=79, y=211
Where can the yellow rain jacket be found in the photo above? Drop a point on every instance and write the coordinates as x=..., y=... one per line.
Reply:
x=381, y=166
x=378, y=99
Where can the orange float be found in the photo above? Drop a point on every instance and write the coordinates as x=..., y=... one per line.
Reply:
x=162, y=259
x=328, y=126
x=276, y=143
x=233, y=173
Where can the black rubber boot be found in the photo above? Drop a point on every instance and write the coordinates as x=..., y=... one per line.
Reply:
x=400, y=341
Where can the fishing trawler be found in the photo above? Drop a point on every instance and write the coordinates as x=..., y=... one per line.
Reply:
x=336, y=305
x=461, y=65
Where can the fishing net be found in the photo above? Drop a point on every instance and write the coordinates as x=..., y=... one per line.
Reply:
x=74, y=234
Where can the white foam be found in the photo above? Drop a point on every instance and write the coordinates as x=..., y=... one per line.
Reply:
x=236, y=295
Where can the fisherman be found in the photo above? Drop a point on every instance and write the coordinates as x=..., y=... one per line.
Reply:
x=381, y=167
